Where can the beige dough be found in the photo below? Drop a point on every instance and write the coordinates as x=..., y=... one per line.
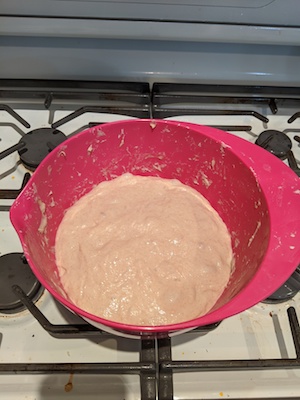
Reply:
x=143, y=251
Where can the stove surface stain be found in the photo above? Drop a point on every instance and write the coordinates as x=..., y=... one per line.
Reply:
x=69, y=385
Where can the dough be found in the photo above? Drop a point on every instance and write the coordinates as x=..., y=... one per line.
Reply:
x=143, y=251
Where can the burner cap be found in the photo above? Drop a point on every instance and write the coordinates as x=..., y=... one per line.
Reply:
x=276, y=142
x=14, y=270
x=287, y=291
x=38, y=144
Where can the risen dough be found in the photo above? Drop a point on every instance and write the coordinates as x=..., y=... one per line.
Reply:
x=143, y=251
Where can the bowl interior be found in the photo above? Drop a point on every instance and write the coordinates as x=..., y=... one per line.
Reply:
x=158, y=149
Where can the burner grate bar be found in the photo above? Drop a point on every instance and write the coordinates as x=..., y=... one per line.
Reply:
x=11, y=194
x=230, y=365
x=164, y=112
x=79, y=368
x=140, y=112
x=165, y=384
x=292, y=162
x=200, y=98
x=295, y=329
x=273, y=106
x=233, y=128
x=62, y=85
x=232, y=90
x=11, y=150
x=294, y=117
x=15, y=115
x=147, y=377
x=4, y=208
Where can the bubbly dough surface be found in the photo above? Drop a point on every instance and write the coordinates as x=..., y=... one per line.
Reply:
x=143, y=251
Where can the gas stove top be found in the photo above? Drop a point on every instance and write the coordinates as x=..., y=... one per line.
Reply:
x=48, y=352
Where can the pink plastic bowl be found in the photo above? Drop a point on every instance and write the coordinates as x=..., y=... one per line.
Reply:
x=256, y=194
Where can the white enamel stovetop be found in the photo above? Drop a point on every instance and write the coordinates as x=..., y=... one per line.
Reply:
x=261, y=332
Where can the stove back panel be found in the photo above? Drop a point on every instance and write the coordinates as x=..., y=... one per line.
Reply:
x=256, y=12
x=201, y=41
x=27, y=57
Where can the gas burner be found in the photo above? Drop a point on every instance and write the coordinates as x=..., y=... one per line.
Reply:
x=37, y=144
x=287, y=291
x=14, y=270
x=276, y=142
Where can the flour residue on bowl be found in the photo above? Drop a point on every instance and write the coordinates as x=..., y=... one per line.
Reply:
x=258, y=225
x=206, y=182
x=121, y=136
x=201, y=177
x=43, y=223
x=143, y=251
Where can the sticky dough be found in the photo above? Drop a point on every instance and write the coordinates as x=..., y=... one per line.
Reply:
x=143, y=251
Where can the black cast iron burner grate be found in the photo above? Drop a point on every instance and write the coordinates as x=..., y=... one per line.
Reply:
x=167, y=367
x=156, y=367
x=14, y=193
x=170, y=98
x=138, y=100
x=122, y=98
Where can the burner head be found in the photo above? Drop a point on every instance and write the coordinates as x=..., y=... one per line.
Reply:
x=14, y=270
x=38, y=144
x=287, y=291
x=276, y=142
